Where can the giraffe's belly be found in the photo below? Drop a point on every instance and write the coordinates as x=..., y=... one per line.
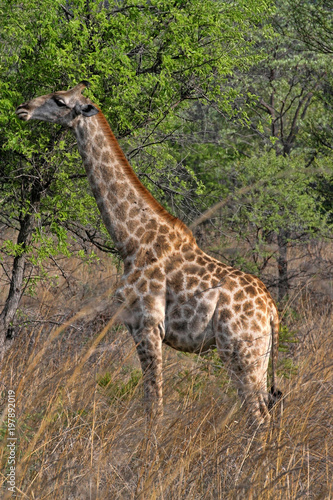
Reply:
x=185, y=341
x=188, y=323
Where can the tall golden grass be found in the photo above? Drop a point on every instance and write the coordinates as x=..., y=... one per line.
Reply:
x=81, y=427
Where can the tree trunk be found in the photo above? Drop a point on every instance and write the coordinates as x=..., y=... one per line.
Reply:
x=282, y=261
x=15, y=290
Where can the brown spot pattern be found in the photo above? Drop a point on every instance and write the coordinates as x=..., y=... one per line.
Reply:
x=176, y=281
x=147, y=237
x=239, y=296
x=225, y=315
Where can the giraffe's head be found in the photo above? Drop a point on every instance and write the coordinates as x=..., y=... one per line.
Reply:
x=60, y=107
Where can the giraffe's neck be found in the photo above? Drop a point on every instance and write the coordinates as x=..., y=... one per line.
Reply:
x=130, y=213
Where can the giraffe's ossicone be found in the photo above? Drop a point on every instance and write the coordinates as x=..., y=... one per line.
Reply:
x=171, y=291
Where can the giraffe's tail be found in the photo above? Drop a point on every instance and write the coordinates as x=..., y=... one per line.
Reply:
x=275, y=394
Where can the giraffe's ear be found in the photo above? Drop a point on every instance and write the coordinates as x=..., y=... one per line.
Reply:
x=86, y=110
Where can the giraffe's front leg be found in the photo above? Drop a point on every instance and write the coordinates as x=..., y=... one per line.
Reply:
x=149, y=348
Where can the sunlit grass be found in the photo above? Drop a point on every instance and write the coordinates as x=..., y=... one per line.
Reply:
x=81, y=427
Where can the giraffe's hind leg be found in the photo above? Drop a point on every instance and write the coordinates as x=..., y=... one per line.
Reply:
x=246, y=359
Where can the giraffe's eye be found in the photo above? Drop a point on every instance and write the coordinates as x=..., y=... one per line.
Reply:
x=59, y=102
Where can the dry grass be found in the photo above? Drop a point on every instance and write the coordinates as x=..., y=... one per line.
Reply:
x=81, y=428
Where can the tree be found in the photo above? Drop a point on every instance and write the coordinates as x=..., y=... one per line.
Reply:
x=313, y=23
x=279, y=100
x=145, y=61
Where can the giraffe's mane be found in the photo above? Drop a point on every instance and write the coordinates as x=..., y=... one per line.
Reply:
x=135, y=181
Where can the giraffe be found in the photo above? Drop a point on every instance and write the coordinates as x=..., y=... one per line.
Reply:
x=171, y=291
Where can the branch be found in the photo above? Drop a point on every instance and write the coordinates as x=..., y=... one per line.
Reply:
x=64, y=274
x=269, y=109
x=163, y=188
x=135, y=151
x=69, y=15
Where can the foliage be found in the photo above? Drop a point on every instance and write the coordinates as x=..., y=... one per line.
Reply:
x=279, y=195
x=271, y=162
x=313, y=22
x=144, y=62
x=211, y=101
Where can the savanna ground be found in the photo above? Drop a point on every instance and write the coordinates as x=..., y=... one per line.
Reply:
x=80, y=426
